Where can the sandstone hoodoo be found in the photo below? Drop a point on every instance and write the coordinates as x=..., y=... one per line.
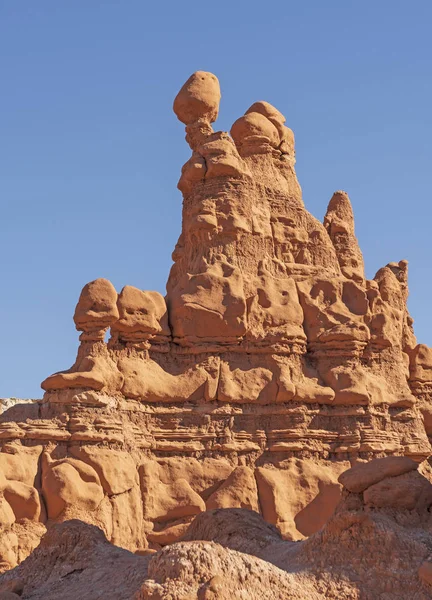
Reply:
x=271, y=366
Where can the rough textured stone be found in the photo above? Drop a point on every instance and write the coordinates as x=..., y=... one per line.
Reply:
x=198, y=99
x=234, y=553
x=7, y=403
x=408, y=492
x=238, y=490
x=363, y=475
x=425, y=572
x=299, y=497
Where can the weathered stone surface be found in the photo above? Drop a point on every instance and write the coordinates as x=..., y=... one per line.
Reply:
x=7, y=403
x=339, y=222
x=407, y=492
x=96, y=309
x=425, y=572
x=238, y=490
x=167, y=502
x=69, y=484
x=299, y=497
x=116, y=469
x=363, y=475
x=234, y=553
x=198, y=99
x=142, y=315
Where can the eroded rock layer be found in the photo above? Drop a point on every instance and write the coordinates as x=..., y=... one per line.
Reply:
x=271, y=365
x=377, y=544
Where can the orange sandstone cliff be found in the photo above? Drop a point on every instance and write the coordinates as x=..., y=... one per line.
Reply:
x=269, y=368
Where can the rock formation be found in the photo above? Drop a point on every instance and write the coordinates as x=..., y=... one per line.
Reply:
x=271, y=365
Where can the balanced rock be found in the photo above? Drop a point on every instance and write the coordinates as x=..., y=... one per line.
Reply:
x=97, y=306
x=198, y=99
x=141, y=315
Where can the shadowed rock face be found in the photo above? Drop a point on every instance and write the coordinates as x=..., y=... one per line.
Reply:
x=377, y=544
x=271, y=365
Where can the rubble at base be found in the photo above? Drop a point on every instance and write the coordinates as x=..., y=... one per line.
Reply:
x=363, y=552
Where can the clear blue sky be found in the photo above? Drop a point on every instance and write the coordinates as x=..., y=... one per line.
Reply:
x=90, y=151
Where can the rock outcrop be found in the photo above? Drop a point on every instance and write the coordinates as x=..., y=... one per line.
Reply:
x=269, y=368
x=378, y=544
